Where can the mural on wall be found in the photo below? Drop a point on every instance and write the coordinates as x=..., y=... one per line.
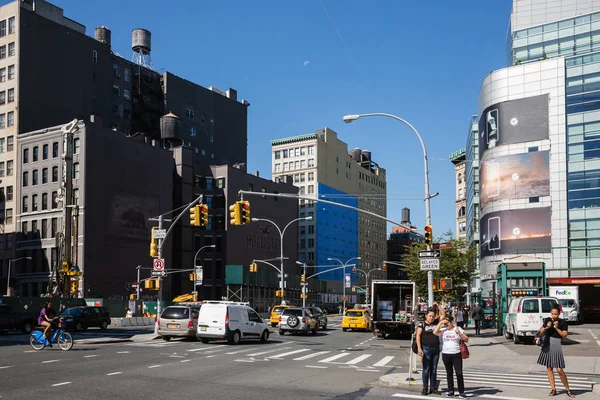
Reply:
x=516, y=231
x=127, y=216
x=517, y=176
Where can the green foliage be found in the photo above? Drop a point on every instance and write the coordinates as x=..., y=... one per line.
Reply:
x=456, y=263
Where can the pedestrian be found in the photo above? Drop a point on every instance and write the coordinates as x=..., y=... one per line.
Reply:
x=467, y=316
x=451, y=356
x=428, y=345
x=477, y=318
x=460, y=317
x=551, y=355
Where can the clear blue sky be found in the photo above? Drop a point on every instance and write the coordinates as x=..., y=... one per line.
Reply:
x=423, y=61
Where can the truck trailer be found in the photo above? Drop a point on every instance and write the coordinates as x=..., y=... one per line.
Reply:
x=392, y=304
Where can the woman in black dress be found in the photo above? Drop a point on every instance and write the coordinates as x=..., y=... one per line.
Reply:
x=551, y=355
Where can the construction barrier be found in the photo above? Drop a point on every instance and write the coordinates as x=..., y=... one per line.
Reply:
x=133, y=321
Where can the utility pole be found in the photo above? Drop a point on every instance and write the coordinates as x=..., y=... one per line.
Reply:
x=139, y=268
x=160, y=255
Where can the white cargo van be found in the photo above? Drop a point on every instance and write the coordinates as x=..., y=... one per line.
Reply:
x=231, y=321
x=526, y=315
x=568, y=297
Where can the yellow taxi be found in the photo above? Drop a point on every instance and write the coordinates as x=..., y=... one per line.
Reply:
x=276, y=312
x=356, y=319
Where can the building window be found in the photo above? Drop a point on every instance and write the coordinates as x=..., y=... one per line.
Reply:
x=76, y=146
x=25, y=156
x=311, y=243
x=54, y=200
x=311, y=229
x=10, y=118
x=192, y=131
x=24, y=226
x=8, y=219
x=76, y=196
x=311, y=162
x=461, y=212
x=12, y=27
x=459, y=179
x=55, y=150
x=460, y=193
x=11, y=49
x=45, y=152
x=53, y=228
x=75, y=170
x=34, y=201
x=11, y=95
x=9, y=167
x=35, y=177
x=44, y=232
x=36, y=153
x=116, y=90
x=310, y=149
x=2, y=121
x=44, y=176
x=2, y=52
x=25, y=204
x=44, y=202
x=54, y=174
x=534, y=199
x=2, y=74
x=189, y=113
x=34, y=226
x=278, y=154
x=11, y=72
x=116, y=71
x=127, y=75
x=311, y=189
x=94, y=56
x=311, y=256
x=277, y=167
x=3, y=28
x=2, y=168
x=126, y=112
x=126, y=94
x=10, y=143
x=25, y=179
x=9, y=193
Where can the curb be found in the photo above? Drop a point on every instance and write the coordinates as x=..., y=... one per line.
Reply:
x=402, y=383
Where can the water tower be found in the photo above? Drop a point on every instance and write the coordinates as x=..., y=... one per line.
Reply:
x=141, y=46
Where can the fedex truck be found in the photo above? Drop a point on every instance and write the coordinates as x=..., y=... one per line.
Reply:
x=568, y=297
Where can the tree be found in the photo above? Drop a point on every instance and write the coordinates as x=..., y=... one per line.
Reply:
x=457, y=263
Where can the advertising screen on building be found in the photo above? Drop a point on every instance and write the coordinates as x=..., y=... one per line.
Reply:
x=515, y=121
x=517, y=176
x=516, y=231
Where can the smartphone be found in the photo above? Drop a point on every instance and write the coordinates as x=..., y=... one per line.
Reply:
x=492, y=128
x=493, y=179
x=494, y=233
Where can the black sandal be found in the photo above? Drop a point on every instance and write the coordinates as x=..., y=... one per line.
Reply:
x=552, y=393
x=571, y=395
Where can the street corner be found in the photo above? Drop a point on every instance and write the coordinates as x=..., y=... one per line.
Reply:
x=402, y=380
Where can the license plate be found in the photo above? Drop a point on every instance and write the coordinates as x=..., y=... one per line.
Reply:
x=352, y=325
x=202, y=328
x=174, y=326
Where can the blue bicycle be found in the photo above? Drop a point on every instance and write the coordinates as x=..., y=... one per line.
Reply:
x=60, y=337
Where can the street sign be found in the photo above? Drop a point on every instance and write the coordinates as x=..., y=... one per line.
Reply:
x=159, y=264
x=159, y=233
x=429, y=254
x=199, y=275
x=344, y=298
x=348, y=281
x=361, y=291
x=159, y=273
x=430, y=264
x=447, y=245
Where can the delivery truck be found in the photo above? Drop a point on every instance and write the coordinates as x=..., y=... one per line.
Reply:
x=392, y=306
x=568, y=298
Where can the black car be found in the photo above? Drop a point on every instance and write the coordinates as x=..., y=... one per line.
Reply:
x=81, y=318
x=320, y=315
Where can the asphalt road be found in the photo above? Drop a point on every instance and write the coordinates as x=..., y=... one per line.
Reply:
x=330, y=365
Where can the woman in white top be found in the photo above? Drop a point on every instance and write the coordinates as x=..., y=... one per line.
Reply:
x=451, y=337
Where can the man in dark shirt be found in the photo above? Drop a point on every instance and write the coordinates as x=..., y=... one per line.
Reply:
x=477, y=316
x=428, y=346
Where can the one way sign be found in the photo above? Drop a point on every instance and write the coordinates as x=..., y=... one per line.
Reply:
x=429, y=254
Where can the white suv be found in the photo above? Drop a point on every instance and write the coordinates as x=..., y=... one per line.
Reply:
x=295, y=320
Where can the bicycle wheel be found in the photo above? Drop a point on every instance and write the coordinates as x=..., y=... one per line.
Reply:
x=65, y=341
x=35, y=343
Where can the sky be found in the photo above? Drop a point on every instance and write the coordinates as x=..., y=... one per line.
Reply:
x=305, y=64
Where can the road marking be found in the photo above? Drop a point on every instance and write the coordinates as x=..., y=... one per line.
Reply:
x=368, y=370
x=49, y=361
x=185, y=361
x=288, y=353
x=320, y=353
x=122, y=352
x=334, y=357
x=210, y=356
x=175, y=356
x=267, y=352
x=114, y=373
x=30, y=351
x=248, y=361
x=62, y=383
x=383, y=362
x=315, y=366
x=242, y=351
x=358, y=359
x=91, y=355
x=155, y=366
x=598, y=341
x=593, y=334
x=6, y=366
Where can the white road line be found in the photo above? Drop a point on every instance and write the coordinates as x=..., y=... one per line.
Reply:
x=62, y=383
x=114, y=373
x=320, y=353
x=383, y=362
x=176, y=356
x=315, y=366
x=289, y=353
x=90, y=356
x=198, y=349
x=6, y=366
x=598, y=341
x=358, y=359
x=210, y=356
x=185, y=361
x=330, y=359
x=122, y=352
x=248, y=361
x=155, y=366
x=593, y=334
x=243, y=351
x=49, y=361
x=267, y=352
x=368, y=370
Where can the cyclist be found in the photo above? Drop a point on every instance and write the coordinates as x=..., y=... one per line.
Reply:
x=45, y=319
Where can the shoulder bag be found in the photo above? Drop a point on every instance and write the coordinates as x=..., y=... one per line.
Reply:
x=464, y=350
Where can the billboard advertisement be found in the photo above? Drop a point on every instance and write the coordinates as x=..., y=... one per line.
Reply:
x=516, y=231
x=514, y=121
x=517, y=176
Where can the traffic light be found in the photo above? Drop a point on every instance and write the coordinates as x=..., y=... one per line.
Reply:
x=193, y=277
x=203, y=214
x=354, y=288
x=75, y=287
x=132, y=297
x=234, y=214
x=354, y=270
x=436, y=284
x=152, y=284
x=446, y=284
x=195, y=216
x=153, y=245
x=253, y=267
x=384, y=268
x=244, y=212
x=428, y=236
x=303, y=278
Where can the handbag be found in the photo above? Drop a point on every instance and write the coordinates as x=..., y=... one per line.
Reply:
x=464, y=350
x=542, y=339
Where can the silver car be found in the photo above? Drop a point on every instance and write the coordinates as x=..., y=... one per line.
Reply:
x=297, y=320
x=178, y=321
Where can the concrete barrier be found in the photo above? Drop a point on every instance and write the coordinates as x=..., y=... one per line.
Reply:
x=133, y=321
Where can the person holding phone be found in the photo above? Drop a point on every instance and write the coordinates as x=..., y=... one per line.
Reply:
x=551, y=356
x=451, y=337
x=429, y=348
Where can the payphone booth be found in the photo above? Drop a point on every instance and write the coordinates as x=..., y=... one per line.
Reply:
x=520, y=276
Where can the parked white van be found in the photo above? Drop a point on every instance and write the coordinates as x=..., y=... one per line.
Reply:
x=231, y=321
x=526, y=315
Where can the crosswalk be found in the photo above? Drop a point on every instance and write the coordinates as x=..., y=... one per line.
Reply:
x=493, y=379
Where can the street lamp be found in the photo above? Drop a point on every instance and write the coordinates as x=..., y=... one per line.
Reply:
x=202, y=248
x=194, y=291
x=344, y=277
x=353, y=117
x=9, y=267
x=281, y=233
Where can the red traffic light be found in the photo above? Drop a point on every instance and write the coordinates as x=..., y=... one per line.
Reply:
x=427, y=228
x=244, y=205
